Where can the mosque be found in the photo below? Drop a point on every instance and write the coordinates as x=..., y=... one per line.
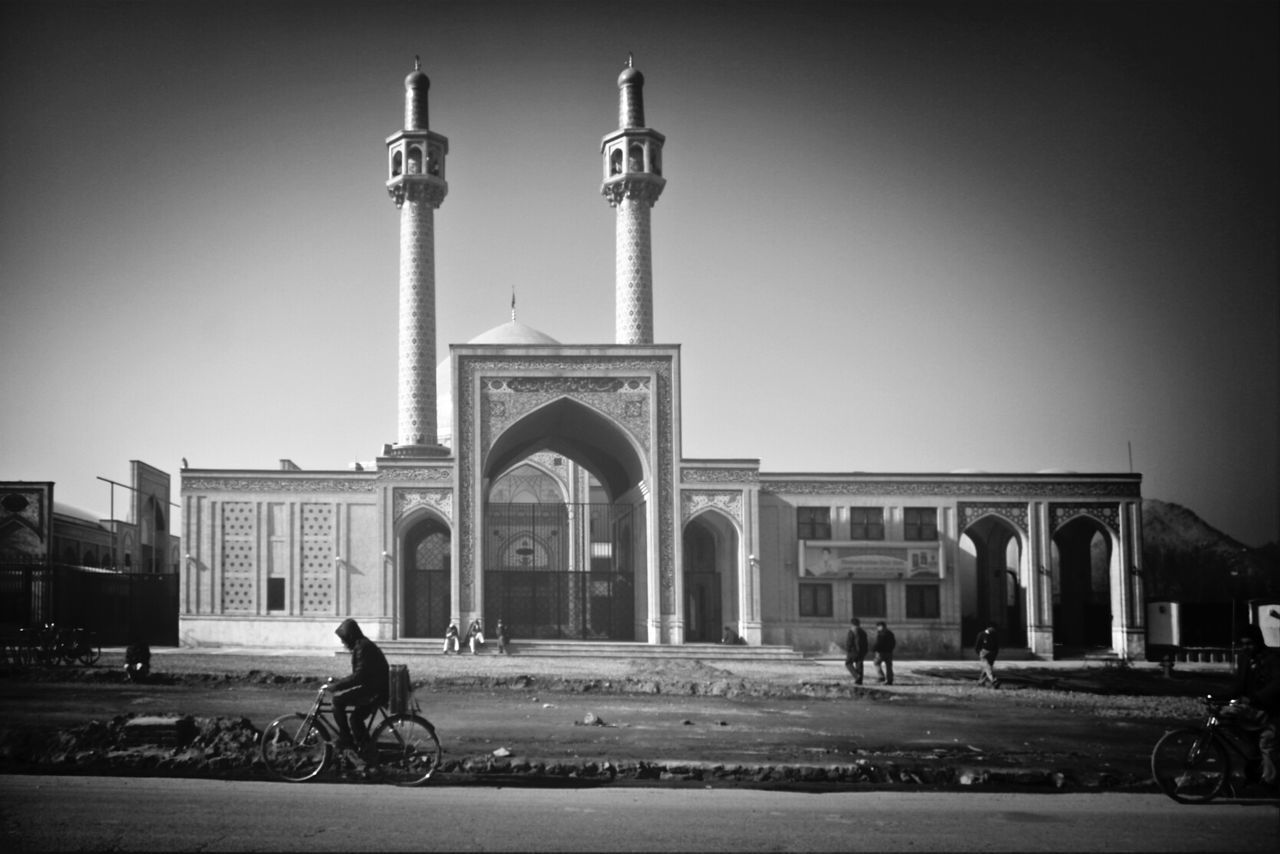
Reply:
x=543, y=484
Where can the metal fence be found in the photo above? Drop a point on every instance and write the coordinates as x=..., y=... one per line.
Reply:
x=119, y=607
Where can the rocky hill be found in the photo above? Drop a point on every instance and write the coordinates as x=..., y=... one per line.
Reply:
x=1188, y=559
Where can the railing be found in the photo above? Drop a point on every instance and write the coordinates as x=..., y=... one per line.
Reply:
x=117, y=606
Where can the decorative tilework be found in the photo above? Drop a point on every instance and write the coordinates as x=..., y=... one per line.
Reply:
x=633, y=307
x=239, y=551
x=319, y=542
x=439, y=500
x=356, y=483
x=693, y=501
x=480, y=371
x=1016, y=514
x=1034, y=489
x=689, y=474
x=1107, y=514
x=417, y=388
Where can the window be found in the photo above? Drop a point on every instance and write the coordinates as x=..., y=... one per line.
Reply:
x=866, y=523
x=868, y=600
x=920, y=523
x=923, y=602
x=813, y=523
x=815, y=600
x=275, y=594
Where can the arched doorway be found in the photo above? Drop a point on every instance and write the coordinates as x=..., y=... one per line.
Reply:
x=710, y=548
x=1081, y=574
x=425, y=564
x=564, y=527
x=992, y=592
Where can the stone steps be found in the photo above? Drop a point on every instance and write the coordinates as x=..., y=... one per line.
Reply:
x=605, y=649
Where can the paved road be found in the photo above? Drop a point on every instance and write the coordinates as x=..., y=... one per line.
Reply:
x=39, y=813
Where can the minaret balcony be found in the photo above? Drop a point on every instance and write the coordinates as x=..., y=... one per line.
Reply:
x=640, y=187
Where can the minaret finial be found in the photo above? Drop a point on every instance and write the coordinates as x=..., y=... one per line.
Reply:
x=417, y=62
x=629, y=59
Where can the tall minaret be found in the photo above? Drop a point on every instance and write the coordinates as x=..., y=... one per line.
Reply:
x=632, y=183
x=415, y=164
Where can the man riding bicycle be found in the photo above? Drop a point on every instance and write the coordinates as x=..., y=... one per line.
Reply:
x=363, y=691
x=1257, y=693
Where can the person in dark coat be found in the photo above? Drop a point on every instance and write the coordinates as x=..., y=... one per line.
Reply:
x=855, y=649
x=363, y=691
x=987, y=646
x=1256, y=706
x=882, y=652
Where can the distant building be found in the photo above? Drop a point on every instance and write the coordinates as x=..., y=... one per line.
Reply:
x=34, y=528
x=544, y=484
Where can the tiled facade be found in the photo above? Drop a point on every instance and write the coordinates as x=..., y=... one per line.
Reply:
x=782, y=558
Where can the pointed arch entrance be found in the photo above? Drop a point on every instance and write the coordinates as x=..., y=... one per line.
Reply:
x=992, y=591
x=710, y=548
x=1081, y=570
x=426, y=584
x=564, y=522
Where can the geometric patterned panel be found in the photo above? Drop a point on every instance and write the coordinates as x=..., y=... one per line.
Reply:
x=319, y=545
x=239, y=558
x=633, y=300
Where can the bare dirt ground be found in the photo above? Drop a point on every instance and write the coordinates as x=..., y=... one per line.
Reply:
x=673, y=720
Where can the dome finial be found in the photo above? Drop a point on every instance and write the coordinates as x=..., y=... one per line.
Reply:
x=513, y=303
x=417, y=62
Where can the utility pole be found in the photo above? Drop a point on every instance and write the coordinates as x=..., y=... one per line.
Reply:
x=114, y=484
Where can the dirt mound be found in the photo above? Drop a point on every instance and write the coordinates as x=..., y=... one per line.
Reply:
x=683, y=669
x=169, y=744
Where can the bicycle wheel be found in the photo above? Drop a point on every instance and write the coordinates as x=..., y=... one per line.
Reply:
x=408, y=750
x=294, y=749
x=88, y=653
x=1190, y=766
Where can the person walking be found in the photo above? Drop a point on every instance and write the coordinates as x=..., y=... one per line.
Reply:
x=882, y=652
x=855, y=649
x=451, y=639
x=987, y=646
x=504, y=638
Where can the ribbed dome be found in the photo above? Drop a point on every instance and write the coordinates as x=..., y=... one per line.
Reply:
x=513, y=333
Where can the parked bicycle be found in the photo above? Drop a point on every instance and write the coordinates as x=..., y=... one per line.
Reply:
x=299, y=746
x=1193, y=765
x=77, y=644
x=51, y=644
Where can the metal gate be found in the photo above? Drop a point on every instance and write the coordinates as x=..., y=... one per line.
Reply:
x=562, y=571
x=426, y=580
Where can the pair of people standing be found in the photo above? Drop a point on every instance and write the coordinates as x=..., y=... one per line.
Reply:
x=881, y=648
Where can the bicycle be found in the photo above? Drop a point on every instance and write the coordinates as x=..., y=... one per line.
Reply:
x=77, y=645
x=298, y=746
x=1193, y=765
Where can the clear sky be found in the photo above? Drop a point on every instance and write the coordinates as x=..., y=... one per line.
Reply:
x=895, y=237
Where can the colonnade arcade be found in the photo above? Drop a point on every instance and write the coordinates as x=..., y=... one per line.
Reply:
x=1056, y=577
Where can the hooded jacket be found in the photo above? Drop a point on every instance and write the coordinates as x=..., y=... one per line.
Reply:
x=369, y=669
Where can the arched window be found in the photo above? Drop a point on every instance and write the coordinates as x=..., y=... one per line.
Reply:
x=415, y=160
x=433, y=161
x=635, y=158
x=615, y=162
x=656, y=156
x=397, y=163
